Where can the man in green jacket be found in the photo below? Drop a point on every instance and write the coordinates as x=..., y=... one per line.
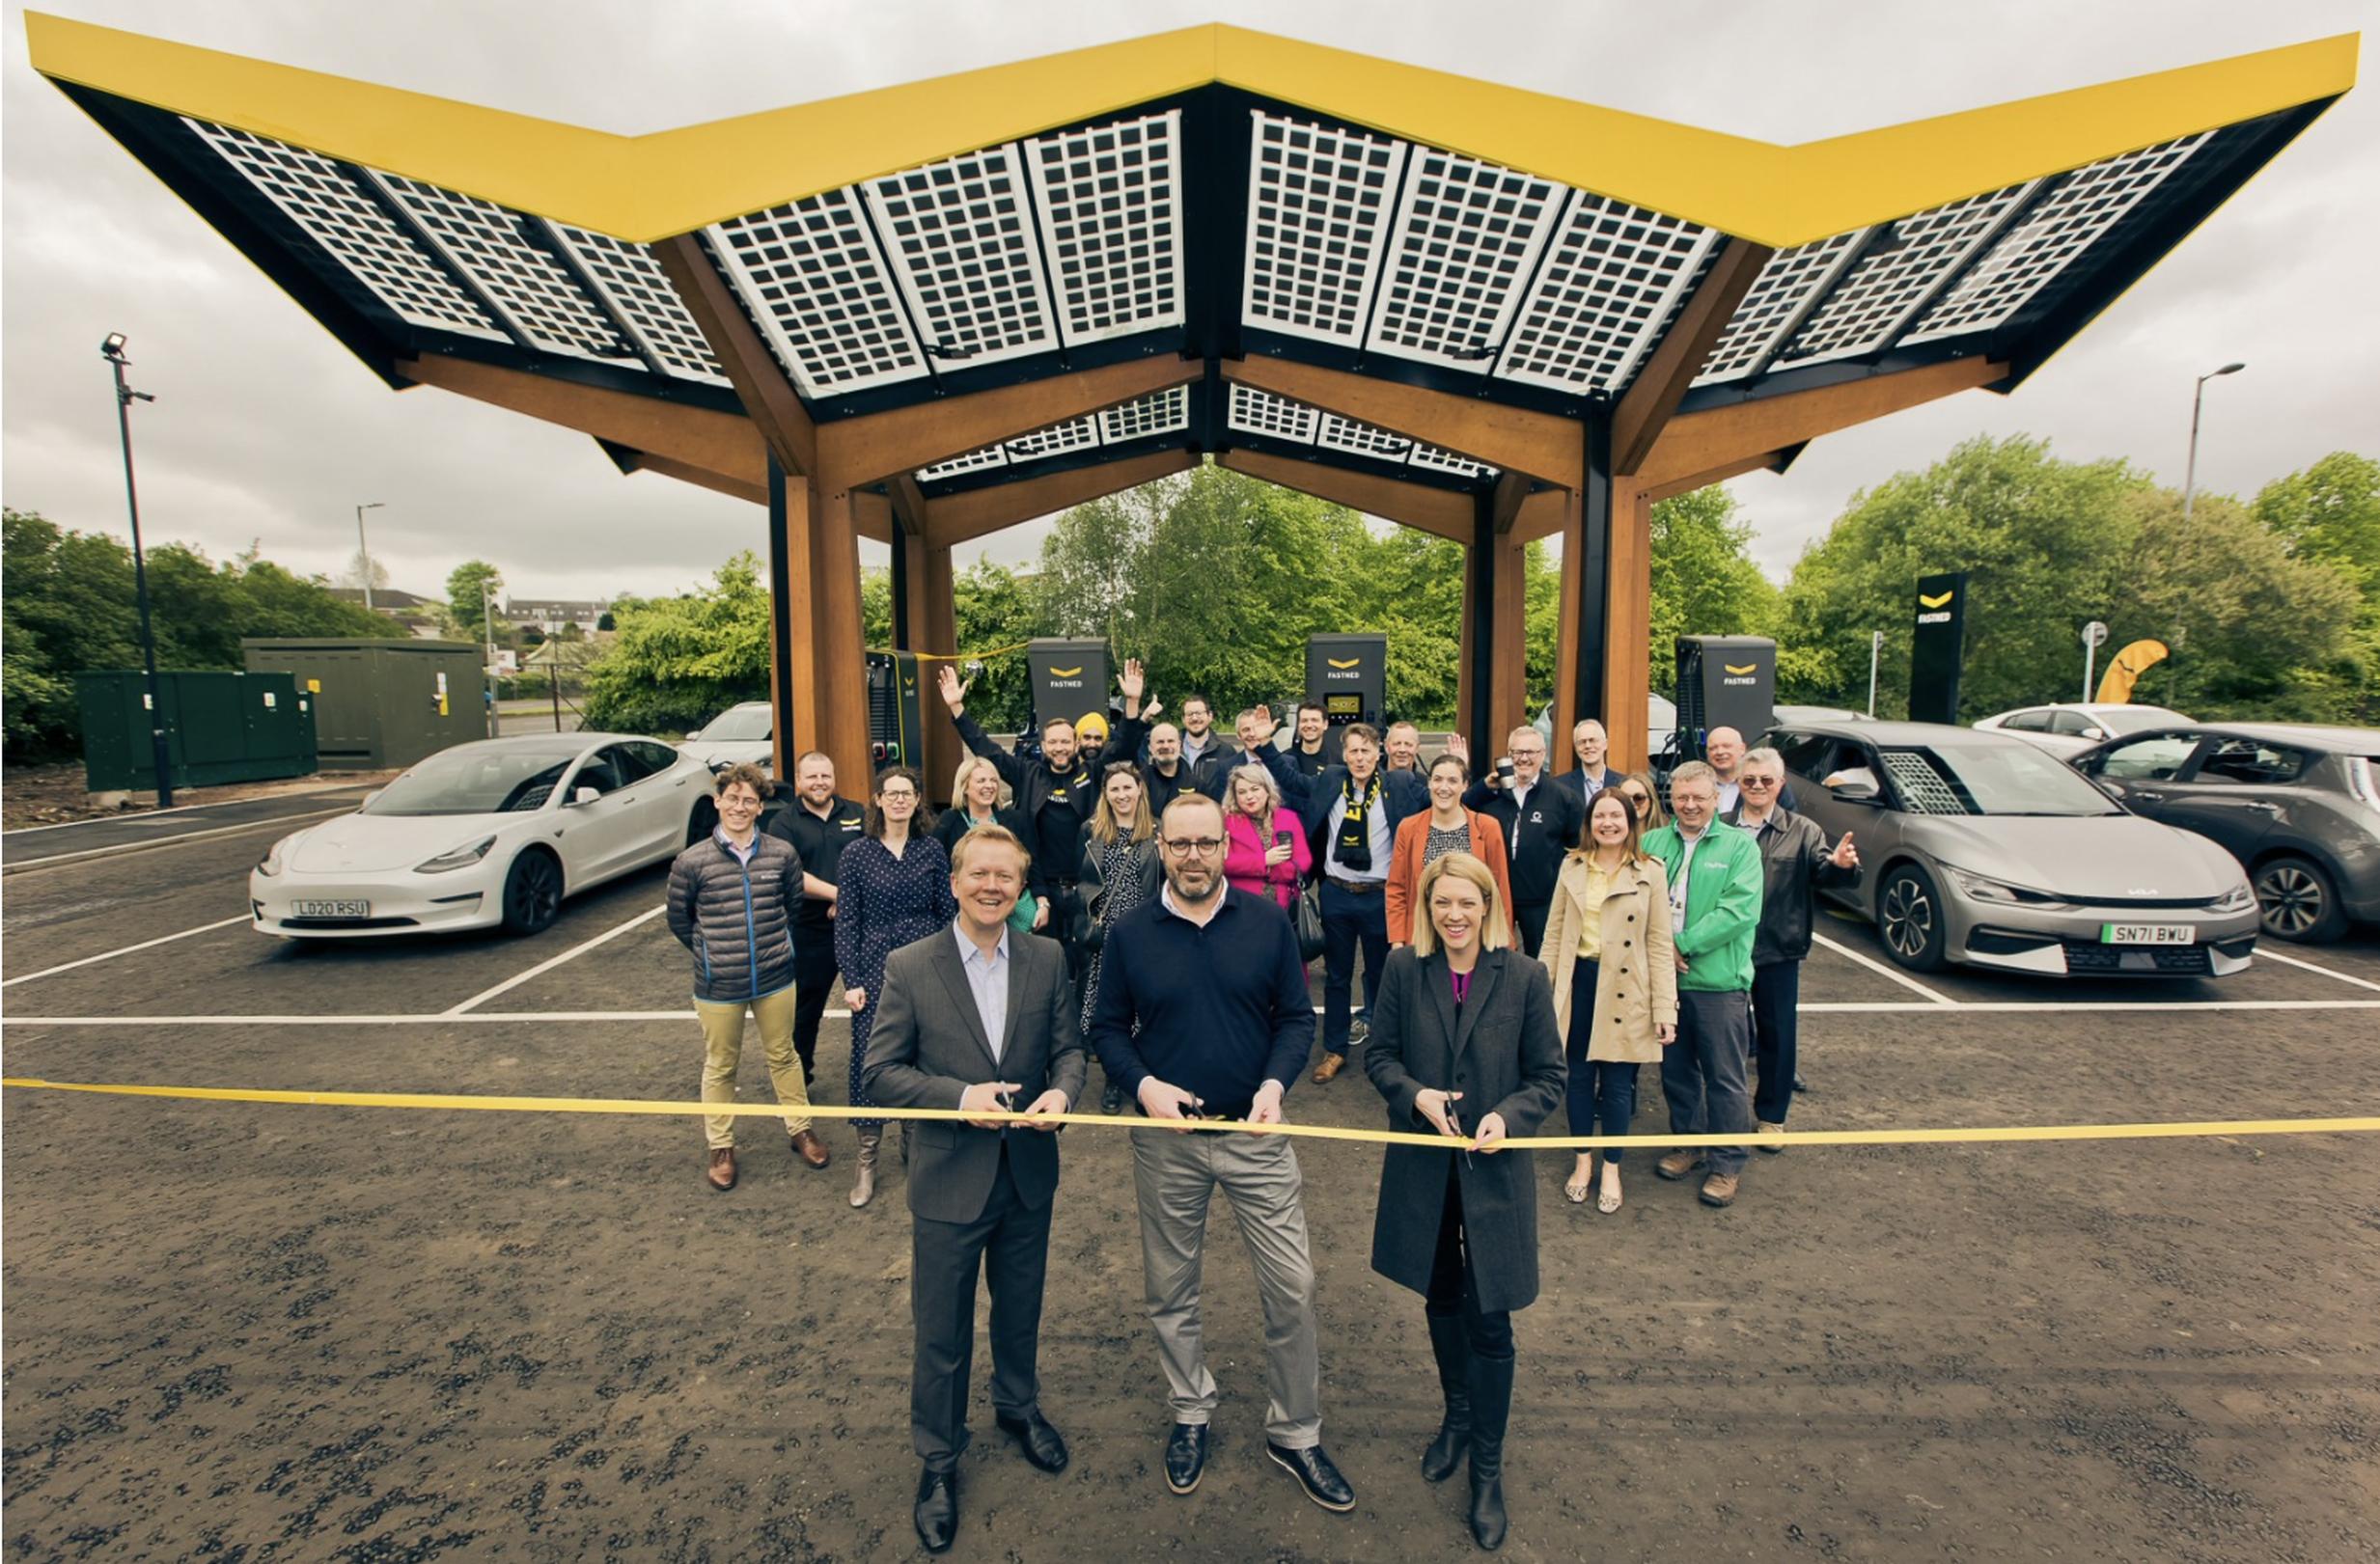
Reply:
x=1715, y=886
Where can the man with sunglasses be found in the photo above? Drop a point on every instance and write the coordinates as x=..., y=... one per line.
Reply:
x=1202, y=1013
x=1796, y=863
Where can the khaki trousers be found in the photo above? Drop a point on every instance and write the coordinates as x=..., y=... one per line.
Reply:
x=723, y=1050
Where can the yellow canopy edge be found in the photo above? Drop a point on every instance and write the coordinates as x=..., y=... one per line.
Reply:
x=651, y=186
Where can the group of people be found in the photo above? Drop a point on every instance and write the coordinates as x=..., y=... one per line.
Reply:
x=1528, y=943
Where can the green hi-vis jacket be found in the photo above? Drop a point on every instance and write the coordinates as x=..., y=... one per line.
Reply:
x=1723, y=905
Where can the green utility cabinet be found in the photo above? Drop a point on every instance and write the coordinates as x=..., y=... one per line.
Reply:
x=220, y=727
x=381, y=704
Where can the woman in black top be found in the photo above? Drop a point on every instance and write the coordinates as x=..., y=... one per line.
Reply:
x=980, y=796
x=1118, y=872
x=1464, y=1043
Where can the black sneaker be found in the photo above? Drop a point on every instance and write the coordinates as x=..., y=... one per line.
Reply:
x=1315, y=1474
x=1185, y=1456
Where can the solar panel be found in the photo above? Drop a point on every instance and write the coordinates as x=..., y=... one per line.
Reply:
x=1446, y=462
x=1318, y=198
x=812, y=276
x=1466, y=236
x=1345, y=434
x=2050, y=237
x=1164, y=413
x=313, y=192
x=1789, y=285
x=1260, y=412
x=966, y=257
x=974, y=461
x=484, y=242
x=1075, y=434
x=1109, y=200
x=641, y=295
x=1872, y=306
x=1615, y=275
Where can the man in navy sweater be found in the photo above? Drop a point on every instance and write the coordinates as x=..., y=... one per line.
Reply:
x=1202, y=1013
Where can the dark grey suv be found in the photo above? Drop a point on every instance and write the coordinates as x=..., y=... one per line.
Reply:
x=2298, y=806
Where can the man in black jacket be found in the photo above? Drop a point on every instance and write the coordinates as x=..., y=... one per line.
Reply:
x=1591, y=775
x=1170, y=773
x=1057, y=790
x=730, y=900
x=1795, y=864
x=1199, y=742
x=1351, y=813
x=821, y=825
x=1316, y=747
x=1542, y=822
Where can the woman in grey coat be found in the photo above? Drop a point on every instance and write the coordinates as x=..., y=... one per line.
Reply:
x=1463, y=1042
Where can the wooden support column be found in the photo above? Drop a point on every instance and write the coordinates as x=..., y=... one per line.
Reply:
x=1602, y=670
x=839, y=723
x=1628, y=673
x=1508, y=682
x=1477, y=700
x=1567, y=707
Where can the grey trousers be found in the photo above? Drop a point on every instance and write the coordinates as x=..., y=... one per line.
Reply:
x=1702, y=1072
x=1176, y=1173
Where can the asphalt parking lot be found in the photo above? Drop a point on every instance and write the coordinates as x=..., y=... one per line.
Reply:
x=252, y=1331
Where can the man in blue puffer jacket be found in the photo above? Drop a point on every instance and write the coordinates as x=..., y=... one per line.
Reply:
x=731, y=901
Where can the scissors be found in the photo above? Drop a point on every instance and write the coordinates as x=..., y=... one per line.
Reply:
x=1455, y=1117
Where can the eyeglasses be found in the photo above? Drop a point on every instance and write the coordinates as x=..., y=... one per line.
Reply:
x=1185, y=846
x=1633, y=797
x=897, y=796
x=1755, y=782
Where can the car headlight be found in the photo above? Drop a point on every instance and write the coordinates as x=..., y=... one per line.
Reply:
x=2238, y=899
x=458, y=858
x=270, y=864
x=1980, y=887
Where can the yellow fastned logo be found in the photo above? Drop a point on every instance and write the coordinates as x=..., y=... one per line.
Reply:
x=1925, y=601
x=1741, y=667
x=1350, y=662
x=1075, y=672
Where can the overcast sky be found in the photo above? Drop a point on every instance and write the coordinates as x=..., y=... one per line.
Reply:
x=264, y=430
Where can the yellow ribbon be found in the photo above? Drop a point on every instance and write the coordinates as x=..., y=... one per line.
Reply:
x=969, y=656
x=1983, y=1133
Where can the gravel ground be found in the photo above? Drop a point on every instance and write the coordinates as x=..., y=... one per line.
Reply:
x=255, y=1333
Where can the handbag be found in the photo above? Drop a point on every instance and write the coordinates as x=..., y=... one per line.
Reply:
x=1308, y=920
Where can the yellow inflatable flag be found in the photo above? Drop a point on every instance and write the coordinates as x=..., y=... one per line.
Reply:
x=2126, y=668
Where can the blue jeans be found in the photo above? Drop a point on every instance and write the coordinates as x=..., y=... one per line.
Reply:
x=1600, y=1090
x=1349, y=916
x=1776, y=1036
x=1702, y=1072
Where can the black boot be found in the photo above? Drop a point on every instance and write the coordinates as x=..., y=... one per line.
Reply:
x=1453, y=1349
x=1491, y=1407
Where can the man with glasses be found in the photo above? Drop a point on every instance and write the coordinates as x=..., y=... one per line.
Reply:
x=1796, y=863
x=1201, y=744
x=1541, y=823
x=730, y=902
x=1203, y=1014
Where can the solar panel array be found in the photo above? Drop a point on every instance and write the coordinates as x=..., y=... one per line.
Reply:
x=1372, y=244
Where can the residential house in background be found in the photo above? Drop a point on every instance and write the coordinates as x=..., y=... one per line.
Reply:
x=551, y=613
x=417, y=613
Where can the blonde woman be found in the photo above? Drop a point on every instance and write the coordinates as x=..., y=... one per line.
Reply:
x=1640, y=789
x=1118, y=872
x=980, y=796
x=1607, y=946
x=1460, y=1227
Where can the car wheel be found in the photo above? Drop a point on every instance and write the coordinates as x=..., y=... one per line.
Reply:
x=531, y=892
x=701, y=820
x=1912, y=920
x=2296, y=900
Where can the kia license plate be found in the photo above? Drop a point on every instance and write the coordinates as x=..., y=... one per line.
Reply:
x=330, y=909
x=2146, y=934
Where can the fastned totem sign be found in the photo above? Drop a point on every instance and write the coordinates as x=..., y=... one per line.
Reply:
x=1937, y=648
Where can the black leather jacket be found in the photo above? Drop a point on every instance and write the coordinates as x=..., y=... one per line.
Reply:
x=1794, y=866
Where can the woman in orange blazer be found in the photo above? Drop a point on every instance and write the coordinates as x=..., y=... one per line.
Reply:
x=1446, y=827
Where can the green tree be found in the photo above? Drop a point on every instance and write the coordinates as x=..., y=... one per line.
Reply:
x=464, y=602
x=679, y=661
x=1703, y=581
x=2330, y=514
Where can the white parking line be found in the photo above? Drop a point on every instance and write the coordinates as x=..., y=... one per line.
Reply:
x=287, y=821
x=89, y=961
x=548, y=965
x=1876, y=966
x=144, y=816
x=2270, y=954
x=582, y=1017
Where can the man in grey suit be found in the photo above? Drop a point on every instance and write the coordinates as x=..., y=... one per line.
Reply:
x=979, y=1019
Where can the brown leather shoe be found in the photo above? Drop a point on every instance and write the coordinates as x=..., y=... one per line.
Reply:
x=1328, y=1070
x=809, y=1148
x=722, y=1173
x=1719, y=1189
x=1677, y=1164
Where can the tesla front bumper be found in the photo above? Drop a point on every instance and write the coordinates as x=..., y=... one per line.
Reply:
x=320, y=906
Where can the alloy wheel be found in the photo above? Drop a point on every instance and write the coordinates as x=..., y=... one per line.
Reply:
x=2290, y=900
x=531, y=893
x=1908, y=919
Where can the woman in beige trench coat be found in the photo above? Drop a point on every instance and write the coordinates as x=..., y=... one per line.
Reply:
x=1607, y=948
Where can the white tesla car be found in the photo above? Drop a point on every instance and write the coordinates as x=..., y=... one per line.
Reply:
x=2067, y=729
x=492, y=832
x=741, y=732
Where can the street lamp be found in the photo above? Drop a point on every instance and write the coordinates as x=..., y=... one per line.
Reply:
x=111, y=348
x=2197, y=396
x=363, y=553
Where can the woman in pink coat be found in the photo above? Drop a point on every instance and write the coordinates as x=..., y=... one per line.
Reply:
x=1266, y=853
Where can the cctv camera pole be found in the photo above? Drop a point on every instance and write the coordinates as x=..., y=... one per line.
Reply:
x=112, y=349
